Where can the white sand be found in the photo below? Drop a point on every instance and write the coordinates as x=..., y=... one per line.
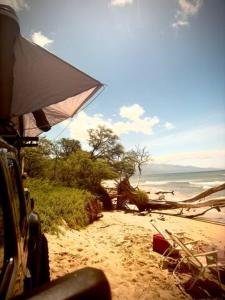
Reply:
x=121, y=245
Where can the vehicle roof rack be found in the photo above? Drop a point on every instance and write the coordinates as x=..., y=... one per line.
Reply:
x=10, y=134
x=20, y=142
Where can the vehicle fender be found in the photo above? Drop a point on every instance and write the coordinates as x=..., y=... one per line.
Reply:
x=87, y=283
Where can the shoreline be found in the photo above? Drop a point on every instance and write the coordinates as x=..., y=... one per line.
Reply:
x=212, y=216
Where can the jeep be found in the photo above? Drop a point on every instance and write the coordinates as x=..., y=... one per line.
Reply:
x=24, y=265
x=24, y=250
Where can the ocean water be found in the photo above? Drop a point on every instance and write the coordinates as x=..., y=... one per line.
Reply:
x=188, y=185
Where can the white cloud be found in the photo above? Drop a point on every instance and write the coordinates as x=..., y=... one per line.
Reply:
x=17, y=5
x=41, y=40
x=98, y=115
x=82, y=122
x=187, y=8
x=180, y=23
x=145, y=125
x=169, y=125
x=120, y=3
x=132, y=112
x=190, y=7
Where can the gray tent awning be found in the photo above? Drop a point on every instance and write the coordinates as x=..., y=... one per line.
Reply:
x=37, y=89
x=44, y=83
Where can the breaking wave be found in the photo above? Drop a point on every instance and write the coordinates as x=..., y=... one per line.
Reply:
x=206, y=184
x=154, y=182
x=202, y=184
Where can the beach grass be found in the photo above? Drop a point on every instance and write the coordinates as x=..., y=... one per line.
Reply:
x=57, y=205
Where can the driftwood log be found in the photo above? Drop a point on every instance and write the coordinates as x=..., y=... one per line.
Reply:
x=127, y=193
x=205, y=211
x=206, y=193
x=163, y=193
x=181, y=204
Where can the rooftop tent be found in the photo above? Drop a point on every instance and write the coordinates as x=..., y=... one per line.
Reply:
x=37, y=87
x=46, y=90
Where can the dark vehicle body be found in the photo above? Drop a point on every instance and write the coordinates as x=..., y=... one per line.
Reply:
x=24, y=265
x=19, y=240
x=13, y=224
x=24, y=268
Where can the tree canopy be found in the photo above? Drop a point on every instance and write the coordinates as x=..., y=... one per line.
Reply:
x=104, y=143
x=65, y=163
x=66, y=147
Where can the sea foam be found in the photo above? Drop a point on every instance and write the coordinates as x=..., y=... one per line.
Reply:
x=154, y=182
x=206, y=184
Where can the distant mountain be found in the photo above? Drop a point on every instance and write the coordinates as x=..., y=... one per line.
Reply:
x=164, y=169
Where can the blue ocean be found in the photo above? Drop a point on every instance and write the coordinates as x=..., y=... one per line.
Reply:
x=188, y=184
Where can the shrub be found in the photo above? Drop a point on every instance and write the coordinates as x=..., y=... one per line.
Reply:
x=55, y=203
x=140, y=198
x=80, y=171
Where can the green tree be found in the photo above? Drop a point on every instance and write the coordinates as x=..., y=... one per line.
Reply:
x=37, y=159
x=125, y=165
x=104, y=144
x=45, y=146
x=63, y=149
x=67, y=147
x=81, y=171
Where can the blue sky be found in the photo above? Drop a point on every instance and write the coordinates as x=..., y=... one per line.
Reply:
x=163, y=63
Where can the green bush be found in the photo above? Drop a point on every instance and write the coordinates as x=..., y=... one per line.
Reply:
x=81, y=171
x=56, y=204
x=140, y=198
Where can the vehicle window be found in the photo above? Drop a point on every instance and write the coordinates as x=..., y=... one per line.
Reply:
x=13, y=169
x=1, y=237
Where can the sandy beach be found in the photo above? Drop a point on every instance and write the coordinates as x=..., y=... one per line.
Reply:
x=121, y=245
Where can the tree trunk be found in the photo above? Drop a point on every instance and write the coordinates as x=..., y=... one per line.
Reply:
x=125, y=192
x=104, y=197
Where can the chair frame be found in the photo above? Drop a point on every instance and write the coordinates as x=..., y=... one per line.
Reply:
x=173, y=246
x=192, y=258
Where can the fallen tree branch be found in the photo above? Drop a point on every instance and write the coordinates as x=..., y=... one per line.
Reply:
x=206, y=193
x=161, y=205
x=162, y=192
x=211, y=202
x=205, y=211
